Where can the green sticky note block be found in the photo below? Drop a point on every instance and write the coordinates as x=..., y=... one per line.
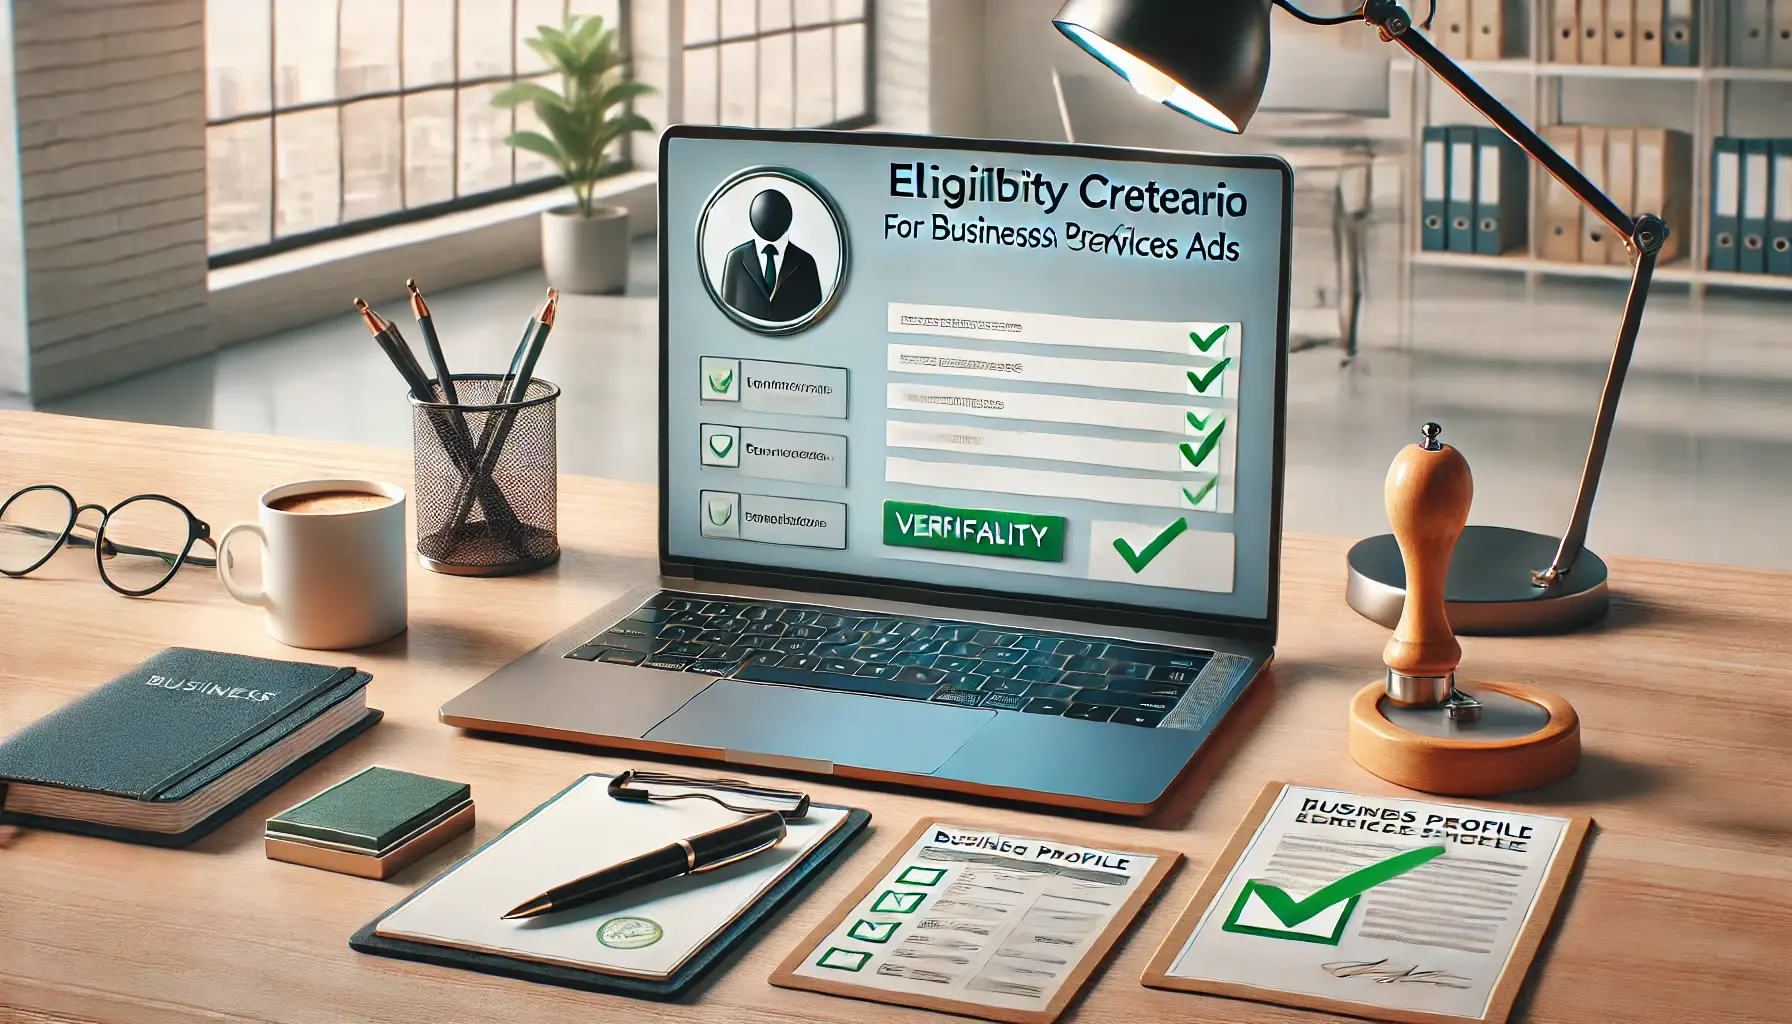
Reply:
x=370, y=810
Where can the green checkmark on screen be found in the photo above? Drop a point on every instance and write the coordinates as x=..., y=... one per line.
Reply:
x=1291, y=913
x=1138, y=560
x=1194, y=497
x=720, y=385
x=720, y=515
x=1211, y=340
x=1196, y=456
x=1201, y=382
x=1199, y=422
x=722, y=444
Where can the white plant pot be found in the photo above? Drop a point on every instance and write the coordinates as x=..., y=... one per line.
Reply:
x=585, y=255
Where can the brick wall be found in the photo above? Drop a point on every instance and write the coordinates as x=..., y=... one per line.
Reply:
x=110, y=108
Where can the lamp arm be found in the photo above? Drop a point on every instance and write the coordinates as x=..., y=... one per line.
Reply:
x=1644, y=234
x=1396, y=25
x=1318, y=19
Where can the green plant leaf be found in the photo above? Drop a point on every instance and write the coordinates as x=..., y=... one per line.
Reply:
x=535, y=142
x=518, y=93
x=622, y=92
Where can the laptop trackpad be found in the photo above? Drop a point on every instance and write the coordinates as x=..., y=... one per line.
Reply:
x=820, y=725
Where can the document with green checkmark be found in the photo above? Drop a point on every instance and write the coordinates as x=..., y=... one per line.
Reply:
x=979, y=921
x=1366, y=901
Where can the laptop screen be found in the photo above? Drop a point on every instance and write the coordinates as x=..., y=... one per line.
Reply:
x=1038, y=371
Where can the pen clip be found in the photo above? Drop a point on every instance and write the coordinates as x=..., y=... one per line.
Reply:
x=737, y=857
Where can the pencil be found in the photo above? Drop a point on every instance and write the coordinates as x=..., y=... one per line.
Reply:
x=431, y=343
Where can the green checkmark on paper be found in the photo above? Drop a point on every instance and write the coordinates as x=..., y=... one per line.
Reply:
x=1194, y=497
x=1291, y=913
x=1212, y=339
x=722, y=444
x=1202, y=383
x=1138, y=560
x=720, y=385
x=1196, y=456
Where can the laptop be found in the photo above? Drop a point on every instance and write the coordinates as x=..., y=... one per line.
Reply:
x=970, y=468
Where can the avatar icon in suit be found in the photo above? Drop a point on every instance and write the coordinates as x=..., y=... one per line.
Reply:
x=764, y=279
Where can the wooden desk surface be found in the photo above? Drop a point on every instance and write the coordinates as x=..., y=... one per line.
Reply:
x=1683, y=911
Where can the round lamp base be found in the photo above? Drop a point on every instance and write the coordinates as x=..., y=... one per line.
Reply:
x=1489, y=590
x=1526, y=737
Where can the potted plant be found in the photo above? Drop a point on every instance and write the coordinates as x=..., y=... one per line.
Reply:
x=584, y=246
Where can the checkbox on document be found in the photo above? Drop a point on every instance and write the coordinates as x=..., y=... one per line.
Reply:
x=892, y=902
x=915, y=875
x=873, y=931
x=843, y=959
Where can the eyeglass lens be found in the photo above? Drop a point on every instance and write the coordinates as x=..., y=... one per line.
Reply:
x=30, y=526
x=143, y=540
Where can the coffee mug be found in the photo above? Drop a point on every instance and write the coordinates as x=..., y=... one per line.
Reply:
x=333, y=563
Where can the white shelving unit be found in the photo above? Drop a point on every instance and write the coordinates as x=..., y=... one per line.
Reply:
x=1710, y=83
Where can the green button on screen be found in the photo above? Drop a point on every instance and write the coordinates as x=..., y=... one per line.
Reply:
x=977, y=531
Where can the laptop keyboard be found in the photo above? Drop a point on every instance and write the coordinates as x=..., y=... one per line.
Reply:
x=910, y=658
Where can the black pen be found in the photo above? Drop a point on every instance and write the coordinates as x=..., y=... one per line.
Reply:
x=704, y=852
x=431, y=343
x=457, y=442
x=514, y=389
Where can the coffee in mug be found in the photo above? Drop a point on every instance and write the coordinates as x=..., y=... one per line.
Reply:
x=327, y=503
x=333, y=566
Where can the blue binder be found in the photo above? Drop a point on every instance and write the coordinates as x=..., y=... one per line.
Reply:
x=1435, y=168
x=1726, y=203
x=1680, y=34
x=1779, y=227
x=1460, y=208
x=1502, y=187
x=1757, y=186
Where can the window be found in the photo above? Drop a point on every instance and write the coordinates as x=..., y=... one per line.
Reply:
x=327, y=118
x=778, y=63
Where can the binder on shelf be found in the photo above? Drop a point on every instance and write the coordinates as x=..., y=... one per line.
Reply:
x=1726, y=203
x=1646, y=32
x=1565, y=19
x=1620, y=36
x=1749, y=20
x=1779, y=43
x=1592, y=31
x=1493, y=31
x=1664, y=185
x=1561, y=209
x=1680, y=34
x=1595, y=233
x=1501, y=191
x=1620, y=184
x=1434, y=233
x=1757, y=185
x=1452, y=32
x=1779, y=228
x=1460, y=210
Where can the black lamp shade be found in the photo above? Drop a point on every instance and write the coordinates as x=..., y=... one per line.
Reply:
x=1204, y=58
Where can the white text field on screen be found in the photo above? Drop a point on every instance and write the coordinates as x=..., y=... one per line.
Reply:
x=1172, y=337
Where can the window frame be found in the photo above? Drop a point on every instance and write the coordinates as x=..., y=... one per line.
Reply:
x=277, y=243
x=868, y=20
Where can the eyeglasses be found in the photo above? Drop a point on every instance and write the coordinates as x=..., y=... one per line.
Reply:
x=652, y=787
x=139, y=545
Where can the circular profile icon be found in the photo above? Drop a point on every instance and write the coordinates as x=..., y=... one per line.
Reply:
x=771, y=246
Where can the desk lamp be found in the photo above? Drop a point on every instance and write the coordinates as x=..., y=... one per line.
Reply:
x=1209, y=59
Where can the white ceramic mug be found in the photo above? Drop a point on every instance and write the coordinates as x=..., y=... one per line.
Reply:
x=330, y=580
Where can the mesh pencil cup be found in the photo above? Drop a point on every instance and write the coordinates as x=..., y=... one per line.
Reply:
x=486, y=479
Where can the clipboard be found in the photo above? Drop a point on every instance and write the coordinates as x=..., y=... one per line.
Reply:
x=1504, y=990
x=694, y=970
x=1092, y=957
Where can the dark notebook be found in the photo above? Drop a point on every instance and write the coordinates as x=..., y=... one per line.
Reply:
x=166, y=747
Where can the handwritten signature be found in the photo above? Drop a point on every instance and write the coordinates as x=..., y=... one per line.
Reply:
x=1387, y=972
